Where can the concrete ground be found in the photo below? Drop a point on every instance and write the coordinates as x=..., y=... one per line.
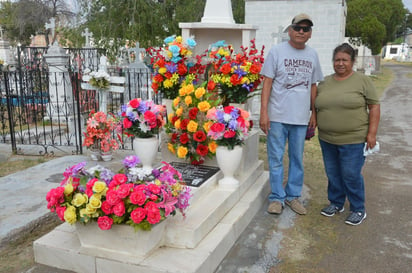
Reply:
x=382, y=244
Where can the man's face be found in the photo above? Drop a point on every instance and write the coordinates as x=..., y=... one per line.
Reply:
x=300, y=33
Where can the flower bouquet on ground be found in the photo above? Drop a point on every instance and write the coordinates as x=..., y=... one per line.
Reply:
x=188, y=125
x=172, y=64
x=100, y=130
x=142, y=118
x=237, y=74
x=230, y=125
x=132, y=196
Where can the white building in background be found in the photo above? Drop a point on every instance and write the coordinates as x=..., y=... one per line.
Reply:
x=274, y=16
x=396, y=52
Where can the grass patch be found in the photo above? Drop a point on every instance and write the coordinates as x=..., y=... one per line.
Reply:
x=18, y=163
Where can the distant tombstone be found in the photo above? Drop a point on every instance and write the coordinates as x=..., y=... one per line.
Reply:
x=138, y=76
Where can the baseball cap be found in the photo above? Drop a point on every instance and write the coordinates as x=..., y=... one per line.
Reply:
x=301, y=17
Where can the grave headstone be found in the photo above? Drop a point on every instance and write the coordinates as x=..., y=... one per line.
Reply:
x=52, y=26
x=138, y=77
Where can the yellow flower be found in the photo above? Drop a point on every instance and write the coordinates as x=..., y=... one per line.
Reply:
x=177, y=124
x=90, y=209
x=207, y=125
x=182, y=152
x=192, y=126
x=79, y=199
x=99, y=187
x=68, y=189
x=179, y=111
x=171, y=148
x=70, y=215
x=200, y=92
x=212, y=147
x=203, y=106
x=167, y=83
x=179, y=39
x=162, y=70
x=182, y=91
x=95, y=202
x=170, y=116
x=176, y=101
x=189, y=89
x=188, y=100
x=83, y=214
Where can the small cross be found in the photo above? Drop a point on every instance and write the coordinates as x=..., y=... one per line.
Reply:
x=51, y=26
x=87, y=35
x=1, y=32
x=137, y=52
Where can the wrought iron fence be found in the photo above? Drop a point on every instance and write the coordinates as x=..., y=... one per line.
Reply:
x=52, y=116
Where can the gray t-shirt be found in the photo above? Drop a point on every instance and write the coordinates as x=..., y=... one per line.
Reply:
x=293, y=71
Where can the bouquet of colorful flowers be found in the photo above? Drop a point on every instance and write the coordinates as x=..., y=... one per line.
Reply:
x=99, y=79
x=100, y=130
x=237, y=75
x=230, y=125
x=188, y=126
x=172, y=64
x=133, y=196
x=142, y=118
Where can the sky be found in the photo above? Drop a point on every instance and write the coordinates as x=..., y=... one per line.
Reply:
x=408, y=4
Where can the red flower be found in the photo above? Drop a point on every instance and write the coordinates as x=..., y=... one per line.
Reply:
x=217, y=127
x=107, y=208
x=199, y=136
x=105, y=222
x=137, y=197
x=119, y=209
x=184, y=123
x=228, y=109
x=211, y=85
x=226, y=68
x=181, y=69
x=174, y=137
x=184, y=138
x=202, y=150
x=235, y=79
x=150, y=118
x=255, y=68
x=229, y=134
x=134, y=103
x=193, y=113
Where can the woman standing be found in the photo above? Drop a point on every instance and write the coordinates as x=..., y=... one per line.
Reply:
x=348, y=114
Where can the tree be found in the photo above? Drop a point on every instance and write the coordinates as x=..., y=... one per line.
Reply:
x=374, y=22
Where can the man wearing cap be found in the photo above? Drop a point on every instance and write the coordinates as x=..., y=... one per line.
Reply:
x=291, y=71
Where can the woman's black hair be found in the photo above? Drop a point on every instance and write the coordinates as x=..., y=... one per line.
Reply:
x=346, y=48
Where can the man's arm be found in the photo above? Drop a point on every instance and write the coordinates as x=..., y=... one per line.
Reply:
x=264, y=101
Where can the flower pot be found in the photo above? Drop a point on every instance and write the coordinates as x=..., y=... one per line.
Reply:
x=106, y=156
x=146, y=150
x=95, y=155
x=228, y=162
x=121, y=238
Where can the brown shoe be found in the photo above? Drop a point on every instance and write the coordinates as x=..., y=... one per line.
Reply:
x=275, y=207
x=296, y=206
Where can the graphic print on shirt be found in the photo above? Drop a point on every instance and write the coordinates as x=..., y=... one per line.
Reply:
x=299, y=73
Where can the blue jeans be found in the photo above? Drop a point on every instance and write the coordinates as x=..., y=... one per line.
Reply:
x=343, y=166
x=278, y=134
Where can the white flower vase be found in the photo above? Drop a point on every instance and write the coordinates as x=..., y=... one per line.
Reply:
x=146, y=150
x=106, y=156
x=228, y=162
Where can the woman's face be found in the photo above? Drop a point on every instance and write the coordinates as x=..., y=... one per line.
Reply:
x=342, y=64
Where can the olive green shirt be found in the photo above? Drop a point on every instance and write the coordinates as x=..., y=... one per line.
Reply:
x=342, y=109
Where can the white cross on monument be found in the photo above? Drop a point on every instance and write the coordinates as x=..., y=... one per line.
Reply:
x=87, y=35
x=1, y=32
x=116, y=85
x=137, y=50
x=51, y=26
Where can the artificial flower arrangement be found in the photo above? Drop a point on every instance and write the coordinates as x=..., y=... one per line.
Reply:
x=172, y=63
x=99, y=79
x=132, y=196
x=237, y=74
x=188, y=125
x=100, y=130
x=230, y=125
x=142, y=118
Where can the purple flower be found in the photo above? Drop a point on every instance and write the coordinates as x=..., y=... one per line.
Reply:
x=156, y=173
x=106, y=175
x=240, y=72
x=131, y=161
x=172, y=68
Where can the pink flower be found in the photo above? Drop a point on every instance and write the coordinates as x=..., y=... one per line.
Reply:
x=138, y=215
x=105, y=222
x=137, y=197
x=112, y=198
x=119, y=209
x=107, y=208
x=60, y=212
x=124, y=190
x=153, y=188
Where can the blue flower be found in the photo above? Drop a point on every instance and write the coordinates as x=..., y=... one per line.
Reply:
x=169, y=39
x=190, y=42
